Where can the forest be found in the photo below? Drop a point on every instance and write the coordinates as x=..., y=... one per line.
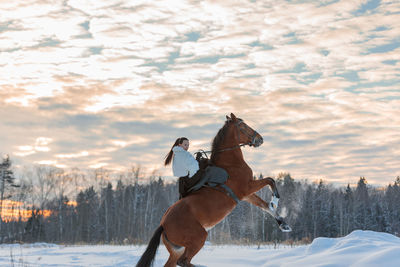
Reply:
x=103, y=207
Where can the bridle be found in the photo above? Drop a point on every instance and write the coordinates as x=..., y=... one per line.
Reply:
x=239, y=130
x=246, y=133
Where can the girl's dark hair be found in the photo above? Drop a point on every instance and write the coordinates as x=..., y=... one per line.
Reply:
x=168, y=157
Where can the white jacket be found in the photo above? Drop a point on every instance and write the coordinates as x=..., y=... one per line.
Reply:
x=183, y=163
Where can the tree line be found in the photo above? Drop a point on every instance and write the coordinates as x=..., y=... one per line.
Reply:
x=70, y=207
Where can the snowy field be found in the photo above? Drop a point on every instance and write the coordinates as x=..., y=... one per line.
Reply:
x=360, y=248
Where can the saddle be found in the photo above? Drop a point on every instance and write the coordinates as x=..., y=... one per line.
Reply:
x=207, y=176
x=213, y=176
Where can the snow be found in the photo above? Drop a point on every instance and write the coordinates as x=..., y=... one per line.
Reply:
x=360, y=248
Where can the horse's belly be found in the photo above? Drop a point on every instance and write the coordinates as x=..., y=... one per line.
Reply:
x=211, y=210
x=206, y=207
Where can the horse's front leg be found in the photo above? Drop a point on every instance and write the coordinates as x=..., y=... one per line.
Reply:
x=256, y=185
x=259, y=202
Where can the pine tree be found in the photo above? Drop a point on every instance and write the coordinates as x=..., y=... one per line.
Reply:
x=7, y=180
x=321, y=210
x=348, y=211
x=34, y=229
x=107, y=208
x=333, y=222
x=87, y=216
x=362, y=209
x=307, y=214
x=120, y=211
x=392, y=198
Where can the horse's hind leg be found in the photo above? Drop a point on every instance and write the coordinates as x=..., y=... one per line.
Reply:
x=174, y=252
x=172, y=260
x=196, y=239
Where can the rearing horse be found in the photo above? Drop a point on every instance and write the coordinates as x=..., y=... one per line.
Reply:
x=184, y=225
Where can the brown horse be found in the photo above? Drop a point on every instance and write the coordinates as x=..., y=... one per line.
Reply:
x=184, y=225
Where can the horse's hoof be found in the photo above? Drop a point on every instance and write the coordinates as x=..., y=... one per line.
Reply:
x=184, y=264
x=285, y=228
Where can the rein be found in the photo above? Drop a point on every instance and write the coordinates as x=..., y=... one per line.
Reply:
x=222, y=150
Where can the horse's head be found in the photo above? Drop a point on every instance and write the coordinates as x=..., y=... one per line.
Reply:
x=245, y=134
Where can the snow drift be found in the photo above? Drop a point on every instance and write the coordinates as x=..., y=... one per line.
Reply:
x=360, y=248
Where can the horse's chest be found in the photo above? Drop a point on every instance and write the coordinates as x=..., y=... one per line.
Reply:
x=240, y=171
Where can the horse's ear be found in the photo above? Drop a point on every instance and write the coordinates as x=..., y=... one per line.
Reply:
x=233, y=116
x=227, y=118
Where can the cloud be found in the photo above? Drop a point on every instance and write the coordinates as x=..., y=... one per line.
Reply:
x=113, y=83
x=74, y=155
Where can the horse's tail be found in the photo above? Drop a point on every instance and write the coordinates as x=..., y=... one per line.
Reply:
x=148, y=256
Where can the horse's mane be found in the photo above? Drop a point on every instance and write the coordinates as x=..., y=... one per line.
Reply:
x=217, y=142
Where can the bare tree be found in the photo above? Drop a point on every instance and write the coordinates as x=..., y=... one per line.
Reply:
x=46, y=177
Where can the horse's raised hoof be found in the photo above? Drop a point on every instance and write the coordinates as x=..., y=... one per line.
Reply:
x=285, y=227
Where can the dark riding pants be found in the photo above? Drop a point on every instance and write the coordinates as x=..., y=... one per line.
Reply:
x=185, y=183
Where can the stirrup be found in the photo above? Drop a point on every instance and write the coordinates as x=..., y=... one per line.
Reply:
x=273, y=204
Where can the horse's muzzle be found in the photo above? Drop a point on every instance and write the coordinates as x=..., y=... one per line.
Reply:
x=257, y=141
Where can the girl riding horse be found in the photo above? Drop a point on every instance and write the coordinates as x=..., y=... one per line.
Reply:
x=183, y=228
x=184, y=165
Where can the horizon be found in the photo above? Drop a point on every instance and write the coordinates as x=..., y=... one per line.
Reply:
x=127, y=176
x=112, y=84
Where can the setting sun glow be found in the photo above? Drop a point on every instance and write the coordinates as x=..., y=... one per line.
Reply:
x=14, y=210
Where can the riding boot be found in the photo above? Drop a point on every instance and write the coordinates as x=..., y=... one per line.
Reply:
x=181, y=187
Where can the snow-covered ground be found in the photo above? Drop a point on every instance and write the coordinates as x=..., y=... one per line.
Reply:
x=360, y=248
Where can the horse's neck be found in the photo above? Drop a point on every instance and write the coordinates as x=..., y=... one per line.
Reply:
x=231, y=156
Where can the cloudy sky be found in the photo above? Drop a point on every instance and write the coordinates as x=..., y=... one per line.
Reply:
x=96, y=83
